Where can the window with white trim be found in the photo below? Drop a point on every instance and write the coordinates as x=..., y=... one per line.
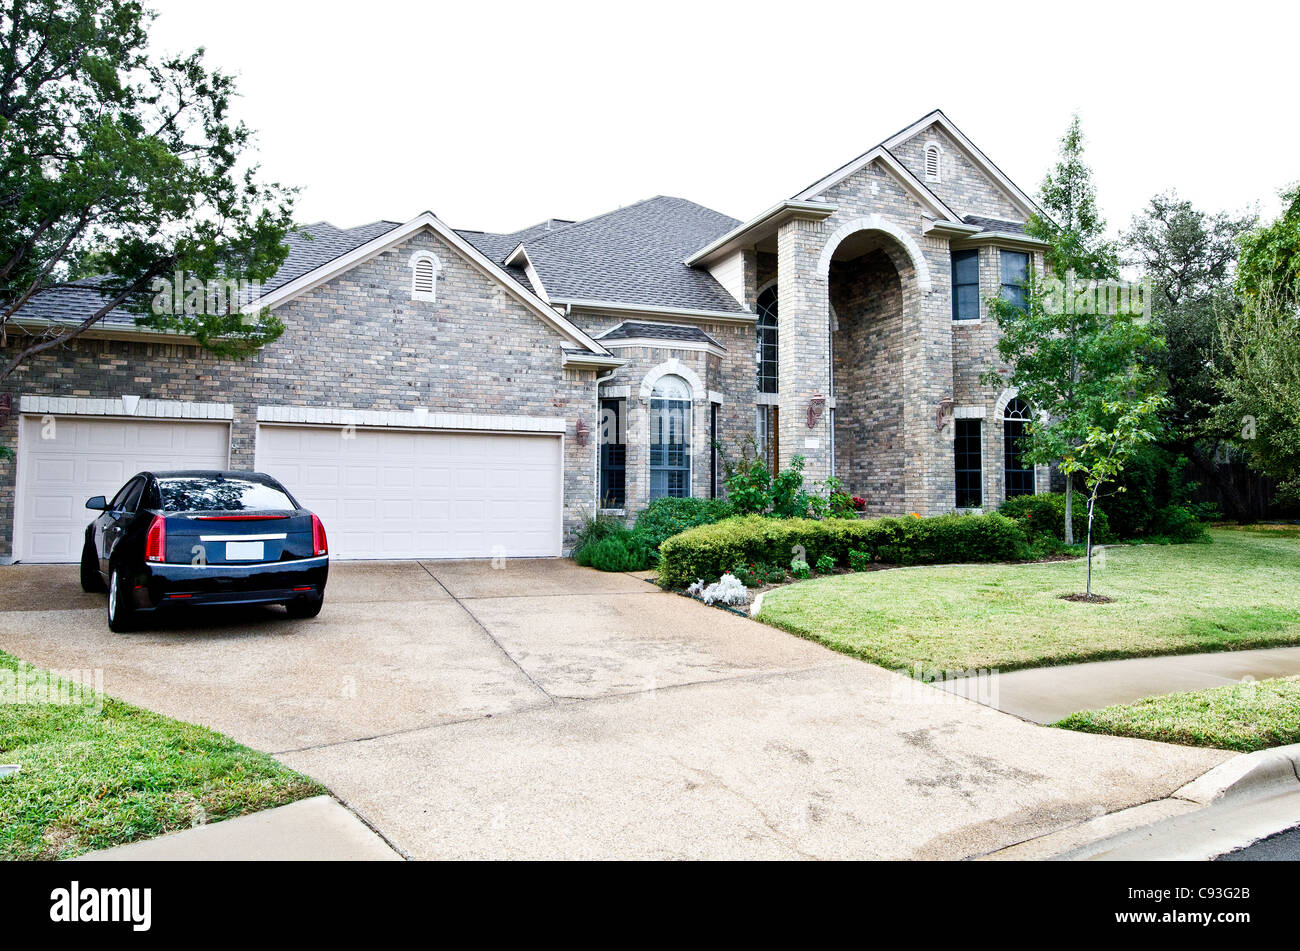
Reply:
x=425, y=268
x=670, y=438
x=932, y=163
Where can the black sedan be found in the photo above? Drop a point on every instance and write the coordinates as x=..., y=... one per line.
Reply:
x=180, y=539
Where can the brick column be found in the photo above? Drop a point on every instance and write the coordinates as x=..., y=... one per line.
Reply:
x=803, y=346
x=927, y=380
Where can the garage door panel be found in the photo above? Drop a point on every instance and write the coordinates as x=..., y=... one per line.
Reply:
x=406, y=494
x=95, y=456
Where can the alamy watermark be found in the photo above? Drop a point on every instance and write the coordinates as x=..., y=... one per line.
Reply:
x=69, y=688
x=184, y=294
x=1074, y=296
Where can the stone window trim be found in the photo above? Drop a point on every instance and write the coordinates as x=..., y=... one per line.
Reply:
x=125, y=405
x=674, y=367
x=425, y=268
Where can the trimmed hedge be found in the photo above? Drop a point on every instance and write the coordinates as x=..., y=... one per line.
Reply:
x=1044, y=515
x=706, y=552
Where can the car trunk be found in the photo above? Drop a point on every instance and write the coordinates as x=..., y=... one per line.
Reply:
x=217, y=539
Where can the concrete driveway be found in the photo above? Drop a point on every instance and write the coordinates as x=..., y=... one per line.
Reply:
x=544, y=710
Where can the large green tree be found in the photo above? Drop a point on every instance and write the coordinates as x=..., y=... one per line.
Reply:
x=1071, y=361
x=1188, y=256
x=1258, y=369
x=127, y=165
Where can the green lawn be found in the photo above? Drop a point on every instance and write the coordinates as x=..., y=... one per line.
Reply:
x=1243, y=717
x=92, y=779
x=1242, y=591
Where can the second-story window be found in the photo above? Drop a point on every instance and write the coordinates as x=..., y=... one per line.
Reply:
x=1015, y=275
x=965, y=285
x=767, y=366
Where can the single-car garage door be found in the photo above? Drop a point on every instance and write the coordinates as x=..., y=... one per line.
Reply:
x=64, y=460
x=411, y=494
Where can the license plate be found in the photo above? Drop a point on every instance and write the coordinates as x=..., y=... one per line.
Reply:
x=244, y=551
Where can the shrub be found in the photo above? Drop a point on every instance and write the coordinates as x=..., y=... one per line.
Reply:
x=728, y=590
x=664, y=518
x=757, y=575
x=753, y=490
x=859, y=560
x=706, y=552
x=825, y=564
x=1043, y=516
x=1177, y=523
x=800, y=570
x=594, y=528
x=620, y=551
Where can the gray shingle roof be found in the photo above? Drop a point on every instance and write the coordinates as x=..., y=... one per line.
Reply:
x=633, y=329
x=632, y=255
x=309, y=247
x=996, y=224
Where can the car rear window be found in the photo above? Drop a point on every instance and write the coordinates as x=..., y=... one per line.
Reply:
x=221, y=495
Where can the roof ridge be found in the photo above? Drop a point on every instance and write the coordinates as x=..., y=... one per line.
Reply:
x=603, y=214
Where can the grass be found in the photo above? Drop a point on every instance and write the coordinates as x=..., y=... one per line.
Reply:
x=1242, y=591
x=92, y=778
x=1244, y=717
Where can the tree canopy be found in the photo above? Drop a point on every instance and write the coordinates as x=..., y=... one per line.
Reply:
x=125, y=165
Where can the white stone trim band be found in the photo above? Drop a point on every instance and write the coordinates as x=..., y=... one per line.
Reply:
x=124, y=406
x=419, y=418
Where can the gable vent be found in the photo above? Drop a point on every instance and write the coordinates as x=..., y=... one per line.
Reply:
x=424, y=275
x=932, y=162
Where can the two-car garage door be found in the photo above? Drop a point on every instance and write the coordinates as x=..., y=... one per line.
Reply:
x=411, y=494
x=381, y=493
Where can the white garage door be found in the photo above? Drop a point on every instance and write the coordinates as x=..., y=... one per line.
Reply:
x=404, y=494
x=65, y=460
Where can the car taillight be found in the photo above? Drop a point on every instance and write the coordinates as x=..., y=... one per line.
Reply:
x=318, y=543
x=155, y=543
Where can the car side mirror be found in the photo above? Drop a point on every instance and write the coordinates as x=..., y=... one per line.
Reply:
x=98, y=503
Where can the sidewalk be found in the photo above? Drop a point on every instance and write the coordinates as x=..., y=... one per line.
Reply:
x=1046, y=694
x=316, y=829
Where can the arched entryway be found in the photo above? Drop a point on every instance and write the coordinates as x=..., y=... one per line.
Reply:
x=872, y=282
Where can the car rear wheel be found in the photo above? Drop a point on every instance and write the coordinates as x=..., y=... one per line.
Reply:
x=121, y=613
x=305, y=607
x=90, y=579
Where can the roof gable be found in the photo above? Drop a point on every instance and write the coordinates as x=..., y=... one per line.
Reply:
x=884, y=152
x=985, y=166
x=396, y=235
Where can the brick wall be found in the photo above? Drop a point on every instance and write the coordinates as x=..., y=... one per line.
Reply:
x=356, y=342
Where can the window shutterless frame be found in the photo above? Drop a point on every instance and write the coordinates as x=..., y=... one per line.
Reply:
x=613, y=454
x=967, y=463
x=1013, y=275
x=670, y=438
x=965, y=285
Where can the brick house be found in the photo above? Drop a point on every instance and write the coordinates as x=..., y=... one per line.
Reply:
x=444, y=393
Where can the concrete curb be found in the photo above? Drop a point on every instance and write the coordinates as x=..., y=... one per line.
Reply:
x=1249, y=774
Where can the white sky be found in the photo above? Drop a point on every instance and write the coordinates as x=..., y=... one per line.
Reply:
x=496, y=115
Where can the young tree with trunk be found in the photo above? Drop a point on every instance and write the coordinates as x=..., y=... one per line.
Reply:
x=1066, y=358
x=1123, y=426
x=129, y=166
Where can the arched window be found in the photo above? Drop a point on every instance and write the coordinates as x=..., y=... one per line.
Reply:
x=932, y=166
x=670, y=438
x=425, y=267
x=1019, y=473
x=767, y=367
